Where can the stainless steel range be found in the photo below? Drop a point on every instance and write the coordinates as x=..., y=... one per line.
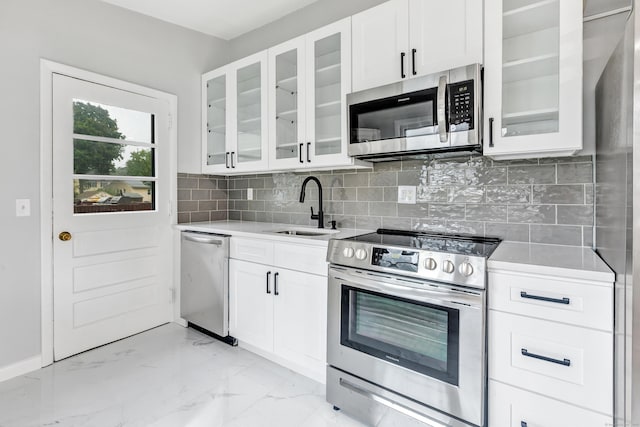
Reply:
x=406, y=328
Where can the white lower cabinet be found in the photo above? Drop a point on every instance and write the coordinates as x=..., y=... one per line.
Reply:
x=514, y=407
x=250, y=306
x=550, y=350
x=278, y=312
x=300, y=319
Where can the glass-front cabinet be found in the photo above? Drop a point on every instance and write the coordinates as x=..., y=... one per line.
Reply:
x=234, y=117
x=309, y=80
x=533, y=78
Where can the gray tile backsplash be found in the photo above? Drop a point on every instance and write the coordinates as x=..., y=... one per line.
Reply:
x=536, y=200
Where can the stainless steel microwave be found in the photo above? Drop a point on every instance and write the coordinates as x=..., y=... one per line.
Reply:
x=436, y=113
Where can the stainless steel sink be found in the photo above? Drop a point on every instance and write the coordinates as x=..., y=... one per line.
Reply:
x=304, y=233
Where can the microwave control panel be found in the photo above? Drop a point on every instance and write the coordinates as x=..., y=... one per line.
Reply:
x=461, y=102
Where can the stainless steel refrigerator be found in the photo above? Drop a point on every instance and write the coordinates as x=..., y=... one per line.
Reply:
x=617, y=231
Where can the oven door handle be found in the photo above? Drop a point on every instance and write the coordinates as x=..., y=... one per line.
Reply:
x=446, y=296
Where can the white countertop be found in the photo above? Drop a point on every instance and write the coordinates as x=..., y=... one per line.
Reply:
x=556, y=260
x=266, y=230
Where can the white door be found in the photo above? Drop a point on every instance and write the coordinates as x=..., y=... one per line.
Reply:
x=444, y=35
x=300, y=319
x=248, y=99
x=380, y=45
x=251, y=289
x=111, y=215
x=287, y=138
x=533, y=79
x=328, y=66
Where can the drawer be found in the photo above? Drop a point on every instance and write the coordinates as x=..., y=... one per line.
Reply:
x=560, y=361
x=575, y=303
x=308, y=259
x=513, y=407
x=254, y=250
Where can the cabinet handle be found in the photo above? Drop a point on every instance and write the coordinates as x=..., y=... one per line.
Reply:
x=300, y=153
x=565, y=362
x=491, y=131
x=226, y=159
x=413, y=61
x=275, y=284
x=232, y=164
x=268, y=275
x=547, y=299
x=402, y=74
x=308, y=149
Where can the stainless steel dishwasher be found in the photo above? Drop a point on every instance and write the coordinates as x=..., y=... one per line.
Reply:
x=204, y=283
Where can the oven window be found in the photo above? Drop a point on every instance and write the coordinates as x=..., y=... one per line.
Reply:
x=411, y=114
x=418, y=336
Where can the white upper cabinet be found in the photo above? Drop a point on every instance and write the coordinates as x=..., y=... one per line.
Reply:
x=401, y=39
x=234, y=116
x=380, y=44
x=533, y=78
x=309, y=78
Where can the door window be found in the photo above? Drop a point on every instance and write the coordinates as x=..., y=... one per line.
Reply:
x=113, y=159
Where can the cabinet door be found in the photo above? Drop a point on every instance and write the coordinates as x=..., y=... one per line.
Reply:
x=513, y=407
x=328, y=66
x=533, y=86
x=287, y=144
x=380, y=45
x=300, y=320
x=250, y=305
x=215, y=120
x=249, y=108
x=444, y=35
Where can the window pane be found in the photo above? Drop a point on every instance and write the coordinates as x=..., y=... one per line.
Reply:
x=216, y=121
x=249, y=114
x=91, y=196
x=287, y=105
x=104, y=158
x=92, y=118
x=328, y=96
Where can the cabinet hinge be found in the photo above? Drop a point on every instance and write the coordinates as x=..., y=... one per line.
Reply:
x=170, y=121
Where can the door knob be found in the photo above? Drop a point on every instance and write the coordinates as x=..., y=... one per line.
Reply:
x=64, y=236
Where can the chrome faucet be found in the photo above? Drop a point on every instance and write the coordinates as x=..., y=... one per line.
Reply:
x=320, y=215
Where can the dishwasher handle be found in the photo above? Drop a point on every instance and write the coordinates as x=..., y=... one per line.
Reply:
x=206, y=240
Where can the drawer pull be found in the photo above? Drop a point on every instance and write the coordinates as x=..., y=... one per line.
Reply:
x=565, y=362
x=523, y=424
x=547, y=299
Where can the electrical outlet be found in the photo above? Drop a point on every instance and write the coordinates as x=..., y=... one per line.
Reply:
x=23, y=207
x=249, y=193
x=407, y=194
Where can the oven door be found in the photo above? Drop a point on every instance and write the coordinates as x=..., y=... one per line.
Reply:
x=422, y=340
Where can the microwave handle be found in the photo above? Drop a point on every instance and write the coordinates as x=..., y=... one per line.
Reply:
x=442, y=108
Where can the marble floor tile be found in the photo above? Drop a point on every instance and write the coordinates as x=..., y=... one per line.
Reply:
x=166, y=377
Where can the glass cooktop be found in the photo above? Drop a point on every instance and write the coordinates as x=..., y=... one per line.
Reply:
x=437, y=242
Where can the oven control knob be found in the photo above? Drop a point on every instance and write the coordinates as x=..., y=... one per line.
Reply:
x=361, y=254
x=448, y=267
x=466, y=269
x=348, y=252
x=430, y=264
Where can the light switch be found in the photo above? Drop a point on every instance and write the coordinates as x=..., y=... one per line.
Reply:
x=249, y=193
x=23, y=207
x=407, y=194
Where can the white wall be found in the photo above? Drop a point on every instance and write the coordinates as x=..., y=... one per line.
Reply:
x=101, y=38
x=316, y=15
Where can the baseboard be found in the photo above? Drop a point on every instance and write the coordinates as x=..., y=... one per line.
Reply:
x=20, y=368
x=317, y=373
